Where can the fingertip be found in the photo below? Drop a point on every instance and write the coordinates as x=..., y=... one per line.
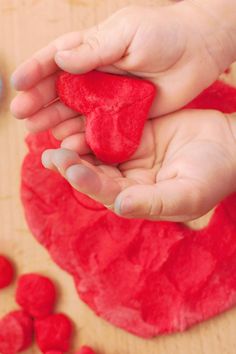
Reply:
x=14, y=108
x=124, y=205
x=1, y=86
x=19, y=80
x=26, y=75
x=66, y=144
x=46, y=159
x=75, y=61
x=21, y=104
x=76, y=142
x=64, y=59
x=62, y=56
x=13, y=81
x=62, y=159
x=117, y=205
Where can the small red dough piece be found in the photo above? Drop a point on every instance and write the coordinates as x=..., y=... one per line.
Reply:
x=6, y=272
x=54, y=333
x=85, y=350
x=36, y=294
x=16, y=332
x=27, y=324
x=116, y=108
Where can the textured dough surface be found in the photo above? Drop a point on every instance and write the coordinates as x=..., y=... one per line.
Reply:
x=145, y=277
x=116, y=108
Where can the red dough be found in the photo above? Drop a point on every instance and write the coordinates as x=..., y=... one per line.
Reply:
x=53, y=352
x=85, y=350
x=36, y=294
x=53, y=333
x=26, y=323
x=224, y=98
x=146, y=277
x=6, y=272
x=116, y=108
x=16, y=332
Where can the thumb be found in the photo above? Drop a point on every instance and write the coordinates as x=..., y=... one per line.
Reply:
x=171, y=200
x=101, y=46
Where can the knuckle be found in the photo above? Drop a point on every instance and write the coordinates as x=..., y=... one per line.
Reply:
x=93, y=42
x=156, y=208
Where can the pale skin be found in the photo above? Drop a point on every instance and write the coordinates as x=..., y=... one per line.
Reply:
x=185, y=163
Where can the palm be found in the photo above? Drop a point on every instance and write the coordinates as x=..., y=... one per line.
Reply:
x=181, y=159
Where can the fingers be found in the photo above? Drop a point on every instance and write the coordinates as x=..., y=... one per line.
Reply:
x=173, y=200
x=42, y=64
x=83, y=176
x=27, y=103
x=68, y=127
x=55, y=115
x=76, y=142
x=101, y=46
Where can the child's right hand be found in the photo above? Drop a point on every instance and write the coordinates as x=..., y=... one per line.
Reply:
x=180, y=48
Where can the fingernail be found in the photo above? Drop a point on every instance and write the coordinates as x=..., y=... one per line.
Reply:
x=79, y=175
x=61, y=56
x=124, y=206
x=1, y=87
x=65, y=145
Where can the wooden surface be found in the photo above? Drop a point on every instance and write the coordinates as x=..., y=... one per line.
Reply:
x=25, y=26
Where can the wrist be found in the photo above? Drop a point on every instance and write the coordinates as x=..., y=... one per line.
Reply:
x=216, y=23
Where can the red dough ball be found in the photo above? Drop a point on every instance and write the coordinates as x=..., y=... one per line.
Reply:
x=36, y=294
x=54, y=333
x=6, y=272
x=85, y=350
x=16, y=332
x=27, y=324
x=116, y=108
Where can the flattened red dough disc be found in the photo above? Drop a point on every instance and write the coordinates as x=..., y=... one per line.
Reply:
x=145, y=277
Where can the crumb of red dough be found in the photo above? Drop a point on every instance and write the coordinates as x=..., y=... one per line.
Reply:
x=85, y=350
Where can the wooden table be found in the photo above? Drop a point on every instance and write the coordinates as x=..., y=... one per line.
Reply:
x=25, y=26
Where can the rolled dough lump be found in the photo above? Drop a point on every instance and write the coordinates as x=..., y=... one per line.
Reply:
x=116, y=108
x=146, y=277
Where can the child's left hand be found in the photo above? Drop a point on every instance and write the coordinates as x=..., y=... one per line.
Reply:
x=185, y=164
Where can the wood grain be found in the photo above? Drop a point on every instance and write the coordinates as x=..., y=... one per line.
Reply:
x=25, y=26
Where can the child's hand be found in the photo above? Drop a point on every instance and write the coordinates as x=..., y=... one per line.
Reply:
x=184, y=166
x=181, y=48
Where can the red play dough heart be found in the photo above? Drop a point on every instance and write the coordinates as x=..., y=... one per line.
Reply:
x=116, y=108
x=146, y=277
